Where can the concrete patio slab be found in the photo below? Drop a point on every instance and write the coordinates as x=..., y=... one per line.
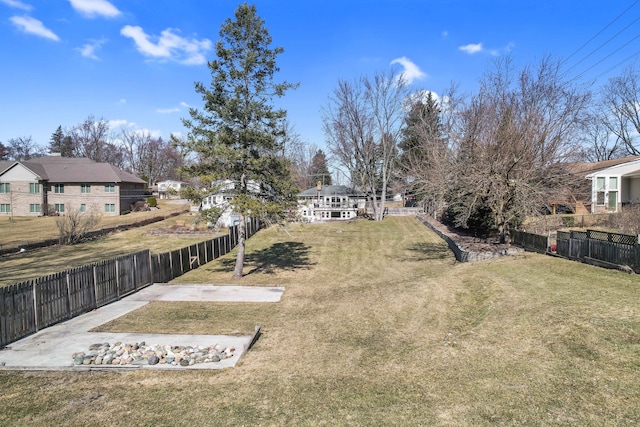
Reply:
x=51, y=348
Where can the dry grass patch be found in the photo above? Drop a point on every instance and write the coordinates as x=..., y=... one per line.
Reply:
x=24, y=230
x=378, y=326
x=39, y=262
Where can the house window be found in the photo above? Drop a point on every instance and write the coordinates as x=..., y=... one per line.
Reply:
x=85, y=188
x=110, y=207
x=5, y=187
x=59, y=207
x=5, y=208
x=613, y=200
x=613, y=183
x=109, y=188
x=600, y=187
x=58, y=188
x=83, y=207
x=34, y=208
x=34, y=188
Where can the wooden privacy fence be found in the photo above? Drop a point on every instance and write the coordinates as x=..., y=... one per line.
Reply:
x=599, y=247
x=534, y=242
x=590, y=246
x=29, y=306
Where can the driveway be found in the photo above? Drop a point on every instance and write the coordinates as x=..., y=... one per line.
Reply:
x=52, y=348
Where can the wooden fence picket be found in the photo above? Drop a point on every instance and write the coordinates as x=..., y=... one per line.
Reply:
x=28, y=306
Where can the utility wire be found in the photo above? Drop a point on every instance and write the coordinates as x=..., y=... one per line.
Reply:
x=603, y=44
x=611, y=54
x=600, y=32
x=618, y=64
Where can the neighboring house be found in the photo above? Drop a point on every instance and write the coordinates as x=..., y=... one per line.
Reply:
x=55, y=185
x=330, y=203
x=165, y=188
x=614, y=184
x=221, y=199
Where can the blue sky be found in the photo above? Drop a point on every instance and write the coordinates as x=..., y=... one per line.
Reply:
x=134, y=62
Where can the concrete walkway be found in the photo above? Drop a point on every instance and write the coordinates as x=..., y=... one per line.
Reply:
x=51, y=348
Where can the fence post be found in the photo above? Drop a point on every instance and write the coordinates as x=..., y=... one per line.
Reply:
x=66, y=274
x=35, y=305
x=117, y=279
x=94, y=269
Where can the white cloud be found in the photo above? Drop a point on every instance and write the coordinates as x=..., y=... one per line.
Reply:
x=17, y=4
x=89, y=50
x=411, y=71
x=168, y=45
x=475, y=48
x=185, y=105
x=92, y=8
x=120, y=123
x=445, y=34
x=33, y=26
x=167, y=110
x=126, y=125
x=472, y=48
x=122, y=101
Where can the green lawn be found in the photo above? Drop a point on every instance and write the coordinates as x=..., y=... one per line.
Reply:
x=379, y=325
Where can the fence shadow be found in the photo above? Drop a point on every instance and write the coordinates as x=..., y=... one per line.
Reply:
x=284, y=256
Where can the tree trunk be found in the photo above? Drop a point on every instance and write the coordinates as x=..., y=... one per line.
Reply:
x=242, y=233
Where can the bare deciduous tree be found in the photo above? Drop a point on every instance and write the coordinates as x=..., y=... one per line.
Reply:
x=363, y=123
x=518, y=132
x=23, y=148
x=599, y=142
x=622, y=101
x=89, y=138
x=149, y=157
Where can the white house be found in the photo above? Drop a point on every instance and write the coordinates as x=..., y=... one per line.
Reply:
x=167, y=186
x=222, y=197
x=330, y=203
x=614, y=184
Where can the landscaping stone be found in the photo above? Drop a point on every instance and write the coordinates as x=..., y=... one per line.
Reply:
x=140, y=354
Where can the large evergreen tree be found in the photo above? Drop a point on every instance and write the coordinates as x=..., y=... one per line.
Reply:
x=61, y=143
x=237, y=134
x=319, y=170
x=425, y=158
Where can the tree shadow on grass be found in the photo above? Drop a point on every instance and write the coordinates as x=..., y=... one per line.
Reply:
x=285, y=256
x=428, y=251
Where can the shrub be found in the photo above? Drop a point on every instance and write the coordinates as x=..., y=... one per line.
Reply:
x=73, y=225
x=568, y=221
x=152, y=202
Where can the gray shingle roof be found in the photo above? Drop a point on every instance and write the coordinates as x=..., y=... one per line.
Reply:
x=70, y=169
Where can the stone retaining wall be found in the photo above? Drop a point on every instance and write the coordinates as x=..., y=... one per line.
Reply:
x=464, y=255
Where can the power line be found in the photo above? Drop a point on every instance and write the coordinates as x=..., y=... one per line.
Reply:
x=611, y=54
x=618, y=64
x=603, y=44
x=600, y=32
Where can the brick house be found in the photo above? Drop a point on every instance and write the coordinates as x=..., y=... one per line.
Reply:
x=55, y=184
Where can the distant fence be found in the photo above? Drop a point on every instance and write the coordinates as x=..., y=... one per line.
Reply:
x=534, y=242
x=29, y=306
x=611, y=250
